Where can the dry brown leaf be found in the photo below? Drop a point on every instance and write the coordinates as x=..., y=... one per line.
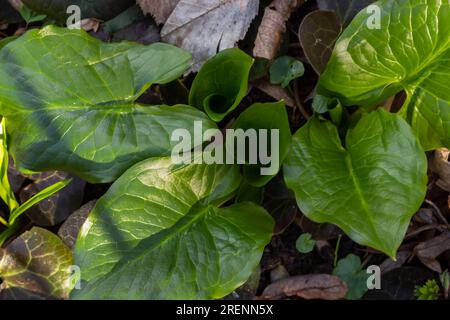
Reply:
x=312, y=286
x=389, y=264
x=159, y=9
x=17, y=4
x=204, y=27
x=272, y=27
x=90, y=24
x=441, y=166
x=428, y=251
x=275, y=91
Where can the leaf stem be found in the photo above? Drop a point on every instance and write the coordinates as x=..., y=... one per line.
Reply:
x=336, y=250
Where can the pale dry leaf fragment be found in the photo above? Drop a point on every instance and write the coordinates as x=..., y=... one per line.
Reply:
x=90, y=24
x=311, y=286
x=428, y=251
x=204, y=27
x=440, y=165
x=272, y=27
x=159, y=9
x=17, y=4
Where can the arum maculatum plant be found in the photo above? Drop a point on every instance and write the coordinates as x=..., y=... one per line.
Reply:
x=176, y=231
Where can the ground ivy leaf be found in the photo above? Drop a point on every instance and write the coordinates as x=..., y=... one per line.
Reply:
x=350, y=271
x=285, y=69
x=371, y=188
x=305, y=243
x=409, y=51
x=221, y=83
x=38, y=262
x=69, y=102
x=159, y=234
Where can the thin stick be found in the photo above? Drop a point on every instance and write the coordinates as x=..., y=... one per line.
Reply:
x=298, y=103
x=438, y=213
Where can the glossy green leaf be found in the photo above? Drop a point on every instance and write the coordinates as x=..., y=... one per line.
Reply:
x=370, y=187
x=39, y=262
x=285, y=69
x=6, y=193
x=159, y=234
x=351, y=272
x=221, y=83
x=409, y=51
x=305, y=243
x=269, y=120
x=100, y=9
x=70, y=102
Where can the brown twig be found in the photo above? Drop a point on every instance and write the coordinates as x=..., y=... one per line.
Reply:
x=298, y=103
x=438, y=213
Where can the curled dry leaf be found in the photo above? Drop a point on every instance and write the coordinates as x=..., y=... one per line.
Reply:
x=428, y=251
x=272, y=27
x=90, y=24
x=159, y=9
x=389, y=264
x=204, y=27
x=312, y=286
x=440, y=165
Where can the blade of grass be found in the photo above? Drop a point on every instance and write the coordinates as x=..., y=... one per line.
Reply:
x=47, y=192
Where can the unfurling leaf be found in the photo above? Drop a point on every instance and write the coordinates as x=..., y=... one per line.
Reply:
x=285, y=69
x=221, y=83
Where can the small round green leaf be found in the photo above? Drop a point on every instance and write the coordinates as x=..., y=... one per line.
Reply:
x=305, y=243
x=285, y=69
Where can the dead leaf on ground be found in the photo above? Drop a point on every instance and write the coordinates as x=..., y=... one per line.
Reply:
x=441, y=166
x=428, y=251
x=275, y=91
x=159, y=9
x=90, y=24
x=389, y=264
x=317, y=34
x=58, y=207
x=204, y=27
x=312, y=286
x=272, y=27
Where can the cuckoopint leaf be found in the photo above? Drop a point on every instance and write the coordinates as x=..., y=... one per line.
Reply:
x=270, y=124
x=408, y=49
x=159, y=233
x=69, y=100
x=305, y=243
x=370, y=186
x=221, y=83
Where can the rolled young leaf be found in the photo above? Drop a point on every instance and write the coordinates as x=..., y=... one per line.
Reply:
x=159, y=234
x=69, y=100
x=397, y=45
x=264, y=119
x=221, y=83
x=370, y=187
